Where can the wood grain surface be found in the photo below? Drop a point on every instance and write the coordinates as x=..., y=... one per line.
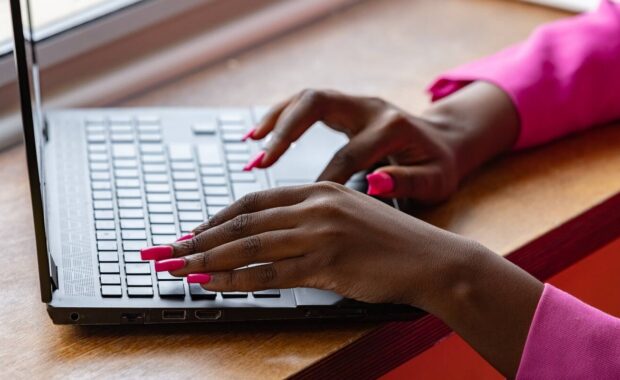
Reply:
x=389, y=48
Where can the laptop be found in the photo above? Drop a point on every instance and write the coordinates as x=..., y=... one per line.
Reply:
x=107, y=182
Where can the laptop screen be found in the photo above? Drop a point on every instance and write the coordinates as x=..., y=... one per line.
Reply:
x=34, y=130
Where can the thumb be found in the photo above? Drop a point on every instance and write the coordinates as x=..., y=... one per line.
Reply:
x=423, y=183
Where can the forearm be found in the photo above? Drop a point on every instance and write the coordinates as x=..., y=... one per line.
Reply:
x=483, y=123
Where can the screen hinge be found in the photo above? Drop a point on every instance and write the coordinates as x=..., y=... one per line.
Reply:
x=54, y=273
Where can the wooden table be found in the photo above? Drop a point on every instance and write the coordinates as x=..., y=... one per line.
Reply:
x=546, y=208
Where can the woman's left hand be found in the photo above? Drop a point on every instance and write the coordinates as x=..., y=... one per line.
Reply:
x=325, y=236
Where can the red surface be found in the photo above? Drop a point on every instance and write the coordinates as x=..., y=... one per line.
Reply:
x=594, y=279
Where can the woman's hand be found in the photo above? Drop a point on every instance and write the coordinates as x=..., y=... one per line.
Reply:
x=324, y=236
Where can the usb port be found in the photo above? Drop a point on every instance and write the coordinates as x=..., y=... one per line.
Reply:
x=173, y=315
x=208, y=314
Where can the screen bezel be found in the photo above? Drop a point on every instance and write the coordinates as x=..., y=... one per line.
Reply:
x=34, y=175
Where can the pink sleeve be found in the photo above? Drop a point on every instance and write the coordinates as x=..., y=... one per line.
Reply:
x=570, y=340
x=564, y=78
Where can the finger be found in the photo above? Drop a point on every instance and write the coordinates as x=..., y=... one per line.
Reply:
x=361, y=152
x=240, y=226
x=268, y=121
x=284, y=274
x=257, y=201
x=332, y=108
x=261, y=248
x=424, y=183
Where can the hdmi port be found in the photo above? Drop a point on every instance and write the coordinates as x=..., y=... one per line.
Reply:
x=173, y=315
x=208, y=314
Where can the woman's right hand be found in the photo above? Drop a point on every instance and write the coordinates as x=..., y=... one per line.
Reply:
x=428, y=155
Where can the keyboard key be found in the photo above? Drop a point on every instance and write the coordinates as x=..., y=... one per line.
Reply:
x=150, y=138
x=125, y=164
x=185, y=185
x=158, y=198
x=105, y=225
x=102, y=194
x=232, y=136
x=157, y=188
x=154, y=168
x=131, y=213
x=184, y=176
x=104, y=215
x=205, y=128
x=123, y=151
x=163, y=229
x=133, y=257
x=187, y=196
x=216, y=190
x=171, y=289
x=139, y=281
x=95, y=129
x=212, y=210
x=186, y=227
x=108, y=257
x=147, y=119
x=242, y=188
x=198, y=293
x=133, y=235
x=121, y=137
x=134, y=245
x=139, y=291
x=100, y=176
x=97, y=148
x=127, y=183
x=96, y=138
x=109, y=268
x=132, y=224
x=188, y=216
x=111, y=291
x=242, y=177
x=231, y=117
x=234, y=295
x=155, y=178
x=183, y=166
x=212, y=171
x=130, y=203
x=166, y=276
x=154, y=159
x=217, y=200
x=217, y=181
x=272, y=293
x=110, y=279
x=98, y=157
x=180, y=152
x=236, y=148
x=209, y=155
x=102, y=205
x=105, y=245
x=146, y=129
x=99, y=166
x=164, y=239
x=106, y=235
x=189, y=206
x=126, y=173
x=151, y=148
x=160, y=208
x=101, y=185
x=161, y=219
x=235, y=128
x=121, y=128
x=120, y=119
x=135, y=268
x=128, y=193
x=236, y=166
x=237, y=157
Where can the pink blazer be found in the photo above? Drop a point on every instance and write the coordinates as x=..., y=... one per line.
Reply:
x=563, y=79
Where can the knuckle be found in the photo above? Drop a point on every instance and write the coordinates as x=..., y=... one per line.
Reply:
x=239, y=224
x=343, y=158
x=251, y=246
x=266, y=274
x=249, y=202
x=312, y=96
x=205, y=260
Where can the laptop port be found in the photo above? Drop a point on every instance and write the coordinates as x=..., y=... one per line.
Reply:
x=74, y=317
x=173, y=315
x=132, y=318
x=207, y=315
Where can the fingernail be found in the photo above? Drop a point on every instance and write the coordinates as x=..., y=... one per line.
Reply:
x=186, y=237
x=159, y=252
x=255, y=161
x=379, y=183
x=169, y=265
x=198, y=278
x=248, y=134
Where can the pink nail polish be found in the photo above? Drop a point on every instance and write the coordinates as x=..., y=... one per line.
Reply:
x=186, y=237
x=255, y=162
x=198, y=278
x=169, y=265
x=379, y=183
x=159, y=252
x=248, y=134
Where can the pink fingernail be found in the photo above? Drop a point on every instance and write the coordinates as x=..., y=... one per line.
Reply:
x=248, y=134
x=255, y=162
x=159, y=252
x=198, y=278
x=379, y=183
x=169, y=265
x=186, y=237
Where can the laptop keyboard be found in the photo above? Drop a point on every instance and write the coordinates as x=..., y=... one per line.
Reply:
x=146, y=192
